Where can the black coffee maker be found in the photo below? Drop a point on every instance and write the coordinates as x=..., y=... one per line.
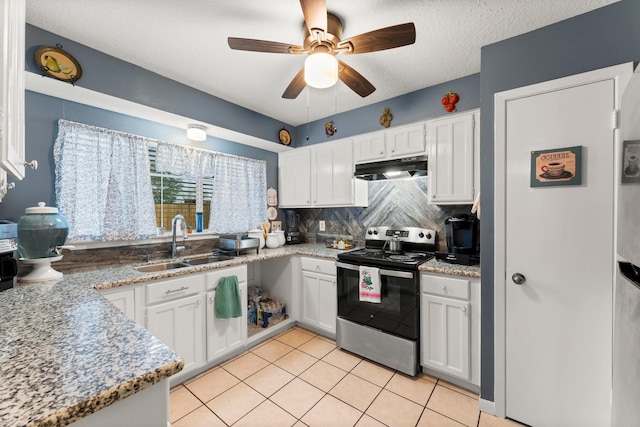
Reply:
x=463, y=240
x=292, y=233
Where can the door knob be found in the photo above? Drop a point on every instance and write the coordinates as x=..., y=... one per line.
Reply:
x=518, y=278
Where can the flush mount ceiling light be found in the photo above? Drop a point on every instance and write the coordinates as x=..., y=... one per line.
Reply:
x=197, y=132
x=321, y=70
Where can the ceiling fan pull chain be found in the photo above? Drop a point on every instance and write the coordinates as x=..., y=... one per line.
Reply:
x=308, y=112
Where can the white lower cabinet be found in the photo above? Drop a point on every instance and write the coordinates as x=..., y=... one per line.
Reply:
x=175, y=315
x=124, y=300
x=450, y=326
x=225, y=335
x=319, y=306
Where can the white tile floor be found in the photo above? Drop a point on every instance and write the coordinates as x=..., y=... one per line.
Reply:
x=301, y=379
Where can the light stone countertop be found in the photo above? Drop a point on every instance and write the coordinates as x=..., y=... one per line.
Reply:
x=66, y=352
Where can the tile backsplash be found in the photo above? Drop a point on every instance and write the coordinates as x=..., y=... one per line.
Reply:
x=400, y=202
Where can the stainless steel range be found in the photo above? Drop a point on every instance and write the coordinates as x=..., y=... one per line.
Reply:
x=379, y=296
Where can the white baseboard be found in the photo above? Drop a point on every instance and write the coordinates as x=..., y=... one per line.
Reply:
x=487, y=406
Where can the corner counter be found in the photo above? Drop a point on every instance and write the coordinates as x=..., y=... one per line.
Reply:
x=66, y=352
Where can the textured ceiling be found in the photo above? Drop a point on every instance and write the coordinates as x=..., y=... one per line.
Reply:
x=187, y=41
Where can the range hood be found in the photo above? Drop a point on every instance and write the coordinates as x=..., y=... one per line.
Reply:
x=391, y=169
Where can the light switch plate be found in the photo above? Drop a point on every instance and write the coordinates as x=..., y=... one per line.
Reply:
x=321, y=225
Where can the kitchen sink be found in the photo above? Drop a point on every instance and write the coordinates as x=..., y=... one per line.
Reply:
x=208, y=259
x=161, y=267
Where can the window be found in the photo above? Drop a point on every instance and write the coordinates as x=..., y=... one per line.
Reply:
x=238, y=190
x=113, y=185
x=174, y=194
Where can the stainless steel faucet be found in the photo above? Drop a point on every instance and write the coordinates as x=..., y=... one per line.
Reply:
x=175, y=250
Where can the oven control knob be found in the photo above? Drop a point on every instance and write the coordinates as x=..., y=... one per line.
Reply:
x=369, y=232
x=429, y=236
x=375, y=231
x=421, y=235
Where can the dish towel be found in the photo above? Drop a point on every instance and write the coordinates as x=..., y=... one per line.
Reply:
x=369, y=284
x=227, y=302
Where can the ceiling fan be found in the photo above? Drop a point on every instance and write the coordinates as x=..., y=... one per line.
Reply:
x=322, y=32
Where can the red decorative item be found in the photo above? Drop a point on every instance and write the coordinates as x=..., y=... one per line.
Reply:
x=449, y=101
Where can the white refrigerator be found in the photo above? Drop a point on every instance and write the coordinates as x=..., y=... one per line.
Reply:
x=626, y=332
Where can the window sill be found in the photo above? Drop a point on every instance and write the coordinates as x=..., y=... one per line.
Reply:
x=164, y=238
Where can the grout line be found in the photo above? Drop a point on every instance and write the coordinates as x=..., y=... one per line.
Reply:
x=325, y=394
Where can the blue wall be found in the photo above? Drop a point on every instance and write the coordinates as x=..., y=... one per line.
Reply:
x=416, y=106
x=601, y=38
x=107, y=74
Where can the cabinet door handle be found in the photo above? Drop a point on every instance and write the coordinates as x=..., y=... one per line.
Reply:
x=212, y=299
x=381, y=153
x=170, y=291
x=464, y=309
x=317, y=267
x=443, y=287
x=198, y=302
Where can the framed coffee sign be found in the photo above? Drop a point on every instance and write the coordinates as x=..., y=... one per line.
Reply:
x=630, y=162
x=560, y=166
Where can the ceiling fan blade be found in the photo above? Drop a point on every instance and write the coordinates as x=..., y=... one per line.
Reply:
x=295, y=87
x=263, y=46
x=354, y=80
x=315, y=15
x=381, y=39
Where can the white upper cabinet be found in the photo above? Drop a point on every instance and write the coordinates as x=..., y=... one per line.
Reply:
x=294, y=178
x=453, y=146
x=369, y=147
x=319, y=176
x=12, y=38
x=405, y=140
x=391, y=143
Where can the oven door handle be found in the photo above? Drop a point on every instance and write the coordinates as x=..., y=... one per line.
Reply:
x=391, y=273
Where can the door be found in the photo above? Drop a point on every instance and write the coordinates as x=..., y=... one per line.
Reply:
x=406, y=140
x=560, y=239
x=369, y=147
x=180, y=325
x=294, y=178
x=446, y=332
x=451, y=159
x=333, y=173
x=319, y=306
x=225, y=335
x=398, y=311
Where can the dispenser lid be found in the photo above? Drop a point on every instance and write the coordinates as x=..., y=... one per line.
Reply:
x=41, y=209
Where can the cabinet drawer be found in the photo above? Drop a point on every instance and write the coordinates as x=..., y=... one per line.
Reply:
x=213, y=277
x=171, y=289
x=318, y=265
x=445, y=286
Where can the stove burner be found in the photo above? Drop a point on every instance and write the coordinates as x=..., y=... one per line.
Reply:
x=372, y=251
x=400, y=257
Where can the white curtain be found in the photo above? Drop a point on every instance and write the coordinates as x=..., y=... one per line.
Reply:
x=184, y=161
x=239, y=196
x=239, y=200
x=103, y=186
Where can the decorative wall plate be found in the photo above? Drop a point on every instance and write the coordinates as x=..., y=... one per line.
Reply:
x=285, y=136
x=272, y=213
x=57, y=63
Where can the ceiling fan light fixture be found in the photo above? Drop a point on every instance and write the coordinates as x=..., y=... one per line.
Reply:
x=196, y=132
x=321, y=70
